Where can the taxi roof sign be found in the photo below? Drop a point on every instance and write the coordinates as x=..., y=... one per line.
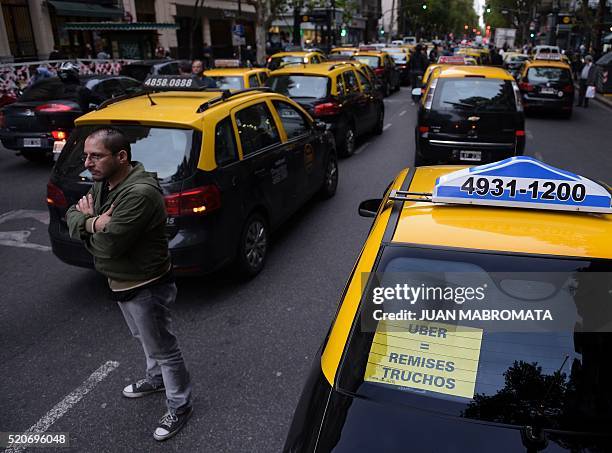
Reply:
x=175, y=83
x=549, y=56
x=522, y=182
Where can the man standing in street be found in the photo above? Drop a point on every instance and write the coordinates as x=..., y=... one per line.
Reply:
x=587, y=79
x=121, y=222
x=418, y=64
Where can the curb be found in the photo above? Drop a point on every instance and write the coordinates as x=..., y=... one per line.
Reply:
x=606, y=100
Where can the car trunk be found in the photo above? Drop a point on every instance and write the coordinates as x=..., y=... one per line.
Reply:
x=473, y=126
x=24, y=116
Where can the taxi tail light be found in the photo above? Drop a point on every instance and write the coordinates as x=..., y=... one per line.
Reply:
x=59, y=135
x=568, y=88
x=519, y=133
x=326, y=109
x=423, y=129
x=199, y=201
x=379, y=71
x=55, y=196
x=2, y=121
x=53, y=107
x=525, y=86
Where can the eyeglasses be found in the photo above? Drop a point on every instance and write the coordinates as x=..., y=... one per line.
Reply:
x=94, y=157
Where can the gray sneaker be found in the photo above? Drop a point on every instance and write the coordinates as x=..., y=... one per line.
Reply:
x=170, y=424
x=141, y=388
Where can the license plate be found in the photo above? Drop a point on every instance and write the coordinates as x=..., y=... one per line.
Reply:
x=32, y=142
x=474, y=156
x=548, y=91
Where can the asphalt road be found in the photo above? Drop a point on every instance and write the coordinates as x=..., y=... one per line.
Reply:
x=248, y=346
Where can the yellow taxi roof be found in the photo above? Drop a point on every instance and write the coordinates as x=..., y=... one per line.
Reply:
x=371, y=53
x=469, y=70
x=232, y=71
x=516, y=230
x=340, y=49
x=297, y=53
x=312, y=69
x=172, y=108
x=546, y=64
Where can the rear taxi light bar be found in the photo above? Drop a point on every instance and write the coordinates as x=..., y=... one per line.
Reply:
x=53, y=107
x=55, y=196
x=194, y=202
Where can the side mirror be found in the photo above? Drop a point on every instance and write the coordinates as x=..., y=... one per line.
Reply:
x=369, y=208
x=417, y=92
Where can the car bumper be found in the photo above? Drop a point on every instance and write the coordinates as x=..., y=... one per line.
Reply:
x=534, y=102
x=448, y=151
x=15, y=140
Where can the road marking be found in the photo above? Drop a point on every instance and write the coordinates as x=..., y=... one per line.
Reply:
x=387, y=126
x=403, y=112
x=19, y=238
x=529, y=134
x=362, y=147
x=67, y=403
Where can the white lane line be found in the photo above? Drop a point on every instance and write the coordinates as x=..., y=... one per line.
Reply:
x=361, y=148
x=387, y=126
x=67, y=403
x=403, y=112
x=529, y=134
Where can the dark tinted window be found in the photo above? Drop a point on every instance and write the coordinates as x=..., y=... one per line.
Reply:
x=300, y=86
x=293, y=121
x=253, y=81
x=136, y=71
x=170, y=68
x=351, y=81
x=225, y=143
x=109, y=88
x=278, y=62
x=474, y=93
x=167, y=152
x=49, y=89
x=340, y=85
x=256, y=128
x=129, y=85
x=543, y=75
x=364, y=82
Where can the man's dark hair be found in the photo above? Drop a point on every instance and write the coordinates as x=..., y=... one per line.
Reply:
x=113, y=139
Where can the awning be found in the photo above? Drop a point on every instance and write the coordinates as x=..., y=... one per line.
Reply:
x=84, y=9
x=119, y=26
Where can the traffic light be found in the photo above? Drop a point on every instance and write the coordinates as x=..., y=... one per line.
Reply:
x=344, y=32
x=532, y=35
x=465, y=27
x=488, y=8
x=424, y=6
x=382, y=32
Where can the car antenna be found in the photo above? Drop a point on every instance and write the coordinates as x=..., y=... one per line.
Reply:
x=151, y=99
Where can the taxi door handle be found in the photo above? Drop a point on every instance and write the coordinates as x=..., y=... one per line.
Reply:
x=234, y=180
x=260, y=172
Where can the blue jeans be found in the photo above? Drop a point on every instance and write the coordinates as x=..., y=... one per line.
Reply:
x=148, y=317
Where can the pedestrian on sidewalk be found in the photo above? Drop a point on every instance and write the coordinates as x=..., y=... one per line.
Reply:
x=588, y=75
x=121, y=222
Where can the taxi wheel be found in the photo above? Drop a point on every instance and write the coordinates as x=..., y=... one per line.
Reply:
x=330, y=181
x=387, y=91
x=348, y=145
x=253, y=246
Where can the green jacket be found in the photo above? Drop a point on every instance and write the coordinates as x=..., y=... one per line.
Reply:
x=133, y=246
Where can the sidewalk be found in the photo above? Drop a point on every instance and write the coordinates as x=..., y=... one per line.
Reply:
x=605, y=99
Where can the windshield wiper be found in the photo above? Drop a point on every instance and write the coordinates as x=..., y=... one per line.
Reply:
x=460, y=104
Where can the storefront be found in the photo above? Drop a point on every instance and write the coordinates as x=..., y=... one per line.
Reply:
x=18, y=28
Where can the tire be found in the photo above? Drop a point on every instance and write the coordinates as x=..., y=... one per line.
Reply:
x=380, y=122
x=348, y=141
x=330, y=178
x=253, y=247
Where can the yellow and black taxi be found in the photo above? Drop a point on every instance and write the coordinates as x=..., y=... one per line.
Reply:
x=346, y=51
x=383, y=66
x=469, y=114
x=470, y=322
x=339, y=94
x=238, y=78
x=233, y=165
x=278, y=60
x=401, y=58
x=546, y=84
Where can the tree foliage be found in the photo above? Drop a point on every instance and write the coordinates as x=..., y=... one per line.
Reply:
x=439, y=18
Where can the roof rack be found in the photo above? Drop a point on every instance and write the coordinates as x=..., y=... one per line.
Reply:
x=402, y=195
x=227, y=94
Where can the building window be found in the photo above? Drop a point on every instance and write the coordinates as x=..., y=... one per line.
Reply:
x=145, y=11
x=19, y=28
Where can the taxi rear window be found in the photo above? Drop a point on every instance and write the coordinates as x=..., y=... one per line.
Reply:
x=371, y=60
x=522, y=378
x=474, y=94
x=300, y=86
x=171, y=153
x=277, y=62
x=544, y=75
x=229, y=83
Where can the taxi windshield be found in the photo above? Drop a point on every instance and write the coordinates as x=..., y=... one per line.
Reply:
x=371, y=60
x=557, y=378
x=278, y=62
x=300, y=86
x=474, y=94
x=544, y=75
x=168, y=152
x=229, y=83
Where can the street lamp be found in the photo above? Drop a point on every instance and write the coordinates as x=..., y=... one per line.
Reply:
x=424, y=6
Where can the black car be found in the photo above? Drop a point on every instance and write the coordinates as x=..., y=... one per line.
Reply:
x=140, y=70
x=547, y=86
x=46, y=111
x=401, y=62
x=469, y=114
x=383, y=66
x=338, y=94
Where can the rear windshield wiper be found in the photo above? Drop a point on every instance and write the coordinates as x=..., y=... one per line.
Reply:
x=460, y=104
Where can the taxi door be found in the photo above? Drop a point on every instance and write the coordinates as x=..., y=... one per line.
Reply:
x=306, y=152
x=266, y=159
x=358, y=102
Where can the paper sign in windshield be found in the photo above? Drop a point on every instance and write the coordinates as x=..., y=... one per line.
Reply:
x=429, y=356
